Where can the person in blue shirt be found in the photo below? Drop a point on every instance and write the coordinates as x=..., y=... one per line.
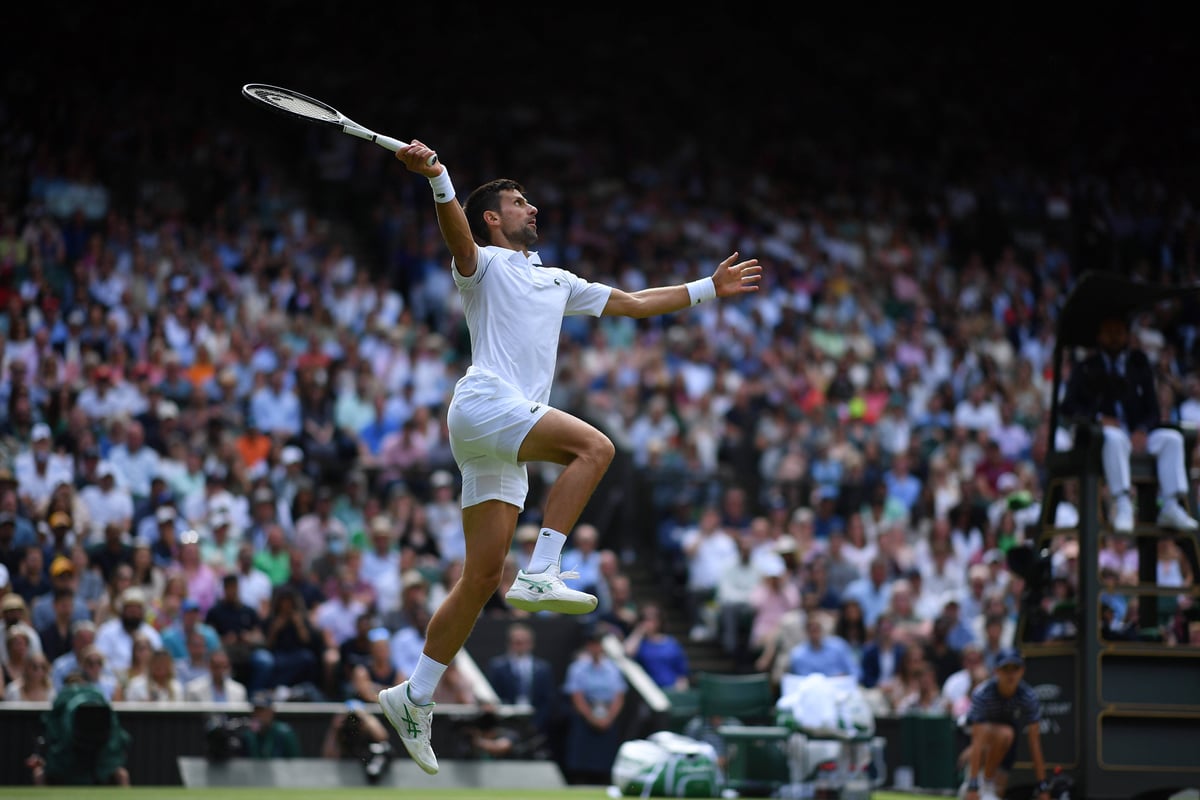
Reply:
x=823, y=653
x=659, y=653
x=175, y=635
x=873, y=591
x=1001, y=707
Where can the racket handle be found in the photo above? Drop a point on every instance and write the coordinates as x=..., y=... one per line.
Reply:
x=395, y=144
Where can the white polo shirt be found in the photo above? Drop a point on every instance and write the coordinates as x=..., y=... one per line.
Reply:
x=514, y=309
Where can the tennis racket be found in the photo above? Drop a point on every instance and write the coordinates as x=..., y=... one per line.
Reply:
x=304, y=107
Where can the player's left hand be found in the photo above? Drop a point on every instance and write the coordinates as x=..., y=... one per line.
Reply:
x=732, y=279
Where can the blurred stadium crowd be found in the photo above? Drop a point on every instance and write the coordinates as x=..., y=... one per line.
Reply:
x=225, y=363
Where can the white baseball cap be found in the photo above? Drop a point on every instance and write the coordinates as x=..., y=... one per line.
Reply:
x=40, y=431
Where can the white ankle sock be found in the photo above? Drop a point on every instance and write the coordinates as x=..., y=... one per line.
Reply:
x=546, y=552
x=424, y=680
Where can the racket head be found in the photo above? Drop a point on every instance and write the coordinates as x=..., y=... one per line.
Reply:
x=293, y=103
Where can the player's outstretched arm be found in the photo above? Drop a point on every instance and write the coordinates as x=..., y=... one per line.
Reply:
x=732, y=278
x=452, y=220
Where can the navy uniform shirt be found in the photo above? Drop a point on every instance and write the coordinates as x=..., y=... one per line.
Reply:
x=1020, y=710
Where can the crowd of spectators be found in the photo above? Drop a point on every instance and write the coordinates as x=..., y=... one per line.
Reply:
x=223, y=459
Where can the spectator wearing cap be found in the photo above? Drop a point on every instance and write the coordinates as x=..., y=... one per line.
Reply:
x=14, y=616
x=288, y=475
x=114, y=638
x=220, y=547
x=62, y=536
x=145, y=511
x=1002, y=708
x=264, y=513
x=165, y=546
x=191, y=620
x=107, y=501
x=135, y=461
x=39, y=469
x=267, y=737
x=44, y=609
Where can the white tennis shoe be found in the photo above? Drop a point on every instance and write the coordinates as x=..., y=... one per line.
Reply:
x=545, y=591
x=1173, y=516
x=414, y=723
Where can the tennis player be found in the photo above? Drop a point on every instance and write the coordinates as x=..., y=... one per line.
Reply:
x=1001, y=708
x=499, y=417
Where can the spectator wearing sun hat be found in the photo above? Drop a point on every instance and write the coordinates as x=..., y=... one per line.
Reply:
x=39, y=469
x=114, y=638
x=14, y=616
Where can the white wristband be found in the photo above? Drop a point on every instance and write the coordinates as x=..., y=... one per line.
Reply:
x=702, y=290
x=443, y=189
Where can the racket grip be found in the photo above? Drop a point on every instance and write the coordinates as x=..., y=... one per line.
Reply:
x=395, y=144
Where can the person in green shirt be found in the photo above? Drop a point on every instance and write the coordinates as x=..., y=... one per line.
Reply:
x=267, y=737
x=274, y=559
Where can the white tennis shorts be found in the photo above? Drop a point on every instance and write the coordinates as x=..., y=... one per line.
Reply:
x=488, y=419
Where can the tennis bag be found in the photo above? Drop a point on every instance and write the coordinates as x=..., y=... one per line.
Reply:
x=667, y=765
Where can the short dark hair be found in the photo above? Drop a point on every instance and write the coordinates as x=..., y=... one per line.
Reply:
x=487, y=198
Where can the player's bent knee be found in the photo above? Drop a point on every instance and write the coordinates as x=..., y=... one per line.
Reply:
x=480, y=583
x=605, y=450
x=1001, y=736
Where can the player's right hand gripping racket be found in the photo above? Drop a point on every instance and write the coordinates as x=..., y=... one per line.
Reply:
x=304, y=107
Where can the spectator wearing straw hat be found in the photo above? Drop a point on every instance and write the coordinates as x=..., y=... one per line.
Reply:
x=114, y=638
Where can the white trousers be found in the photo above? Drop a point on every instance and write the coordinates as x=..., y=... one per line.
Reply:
x=1165, y=444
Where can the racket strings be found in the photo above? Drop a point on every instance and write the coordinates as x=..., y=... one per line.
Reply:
x=296, y=105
